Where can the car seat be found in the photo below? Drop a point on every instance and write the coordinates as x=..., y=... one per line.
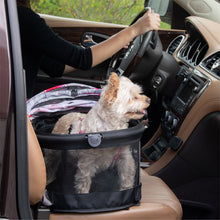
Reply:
x=158, y=201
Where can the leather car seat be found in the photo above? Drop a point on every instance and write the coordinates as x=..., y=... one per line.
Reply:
x=158, y=201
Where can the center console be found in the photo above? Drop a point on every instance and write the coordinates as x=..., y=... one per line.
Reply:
x=192, y=86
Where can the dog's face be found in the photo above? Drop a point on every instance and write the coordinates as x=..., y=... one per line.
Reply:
x=124, y=98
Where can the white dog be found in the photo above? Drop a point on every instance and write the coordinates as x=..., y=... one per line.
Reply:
x=120, y=101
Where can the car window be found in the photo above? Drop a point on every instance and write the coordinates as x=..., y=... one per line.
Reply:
x=110, y=11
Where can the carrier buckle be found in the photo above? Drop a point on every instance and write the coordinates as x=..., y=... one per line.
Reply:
x=94, y=140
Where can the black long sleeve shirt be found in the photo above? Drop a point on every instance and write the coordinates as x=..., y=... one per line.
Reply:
x=43, y=49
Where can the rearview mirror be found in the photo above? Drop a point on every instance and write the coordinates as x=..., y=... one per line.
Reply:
x=158, y=6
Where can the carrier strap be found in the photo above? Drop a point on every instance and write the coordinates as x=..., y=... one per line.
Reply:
x=81, y=132
x=118, y=155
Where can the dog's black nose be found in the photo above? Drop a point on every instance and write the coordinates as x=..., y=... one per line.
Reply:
x=148, y=100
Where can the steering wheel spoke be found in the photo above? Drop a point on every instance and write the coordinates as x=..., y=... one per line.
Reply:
x=125, y=58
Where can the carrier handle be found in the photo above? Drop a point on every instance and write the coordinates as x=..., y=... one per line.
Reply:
x=116, y=138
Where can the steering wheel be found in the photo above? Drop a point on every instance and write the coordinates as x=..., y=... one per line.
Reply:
x=125, y=61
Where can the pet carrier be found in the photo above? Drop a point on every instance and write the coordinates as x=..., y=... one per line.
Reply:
x=88, y=172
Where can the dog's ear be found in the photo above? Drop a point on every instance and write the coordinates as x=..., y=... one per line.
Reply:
x=112, y=88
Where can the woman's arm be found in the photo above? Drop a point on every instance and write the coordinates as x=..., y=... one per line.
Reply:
x=104, y=50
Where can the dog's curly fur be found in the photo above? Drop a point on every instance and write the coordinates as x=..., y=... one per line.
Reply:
x=120, y=101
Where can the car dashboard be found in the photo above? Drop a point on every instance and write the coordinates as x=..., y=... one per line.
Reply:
x=198, y=95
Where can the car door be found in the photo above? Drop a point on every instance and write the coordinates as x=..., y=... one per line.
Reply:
x=14, y=201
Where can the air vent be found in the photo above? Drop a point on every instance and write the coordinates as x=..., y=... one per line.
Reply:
x=175, y=44
x=193, y=51
x=212, y=64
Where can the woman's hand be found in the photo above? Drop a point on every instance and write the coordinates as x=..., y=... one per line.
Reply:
x=149, y=21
